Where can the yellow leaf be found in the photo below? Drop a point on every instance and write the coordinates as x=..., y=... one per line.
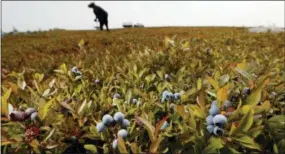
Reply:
x=213, y=82
x=154, y=145
x=43, y=111
x=222, y=94
x=121, y=145
x=4, y=103
x=242, y=65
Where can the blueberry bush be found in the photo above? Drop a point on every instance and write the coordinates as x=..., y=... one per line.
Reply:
x=219, y=93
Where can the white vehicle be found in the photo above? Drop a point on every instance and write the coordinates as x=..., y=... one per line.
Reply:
x=127, y=24
x=138, y=25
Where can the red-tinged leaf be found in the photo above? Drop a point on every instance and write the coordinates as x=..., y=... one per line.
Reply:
x=158, y=126
x=181, y=111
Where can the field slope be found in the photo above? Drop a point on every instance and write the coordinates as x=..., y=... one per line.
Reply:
x=167, y=83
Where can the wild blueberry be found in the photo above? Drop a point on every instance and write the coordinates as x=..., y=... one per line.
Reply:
x=227, y=104
x=210, y=128
x=76, y=71
x=214, y=110
x=214, y=103
x=123, y=133
x=165, y=125
x=220, y=120
x=170, y=96
x=119, y=117
x=218, y=131
x=97, y=81
x=246, y=91
x=29, y=111
x=116, y=95
x=18, y=116
x=107, y=119
x=115, y=144
x=100, y=127
x=177, y=96
x=34, y=115
x=134, y=101
x=126, y=123
x=167, y=77
x=209, y=120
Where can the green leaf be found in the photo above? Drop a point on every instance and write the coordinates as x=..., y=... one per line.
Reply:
x=199, y=83
x=65, y=105
x=245, y=122
x=46, y=92
x=255, y=96
x=214, y=144
x=82, y=107
x=150, y=129
x=4, y=102
x=150, y=78
x=246, y=141
x=90, y=147
x=38, y=77
x=213, y=82
x=49, y=135
x=43, y=111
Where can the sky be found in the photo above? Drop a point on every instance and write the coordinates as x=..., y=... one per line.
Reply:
x=44, y=15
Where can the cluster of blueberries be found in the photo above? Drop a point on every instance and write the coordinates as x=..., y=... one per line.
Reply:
x=169, y=96
x=76, y=72
x=108, y=120
x=134, y=100
x=29, y=113
x=216, y=122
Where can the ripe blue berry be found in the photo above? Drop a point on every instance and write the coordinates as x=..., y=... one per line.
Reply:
x=246, y=91
x=134, y=101
x=167, y=77
x=119, y=117
x=29, y=111
x=214, y=103
x=116, y=96
x=220, y=120
x=107, y=119
x=115, y=144
x=210, y=128
x=126, y=123
x=76, y=71
x=218, y=131
x=18, y=116
x=165, y=125
x=97, y=81
x=177, y=96
x=227, y=104
x=214, y=110
x=100, y=127
x=123, y=133
x=34, y=115
x=209, y=120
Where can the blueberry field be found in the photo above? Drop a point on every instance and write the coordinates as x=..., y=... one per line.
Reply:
x=197, y=90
